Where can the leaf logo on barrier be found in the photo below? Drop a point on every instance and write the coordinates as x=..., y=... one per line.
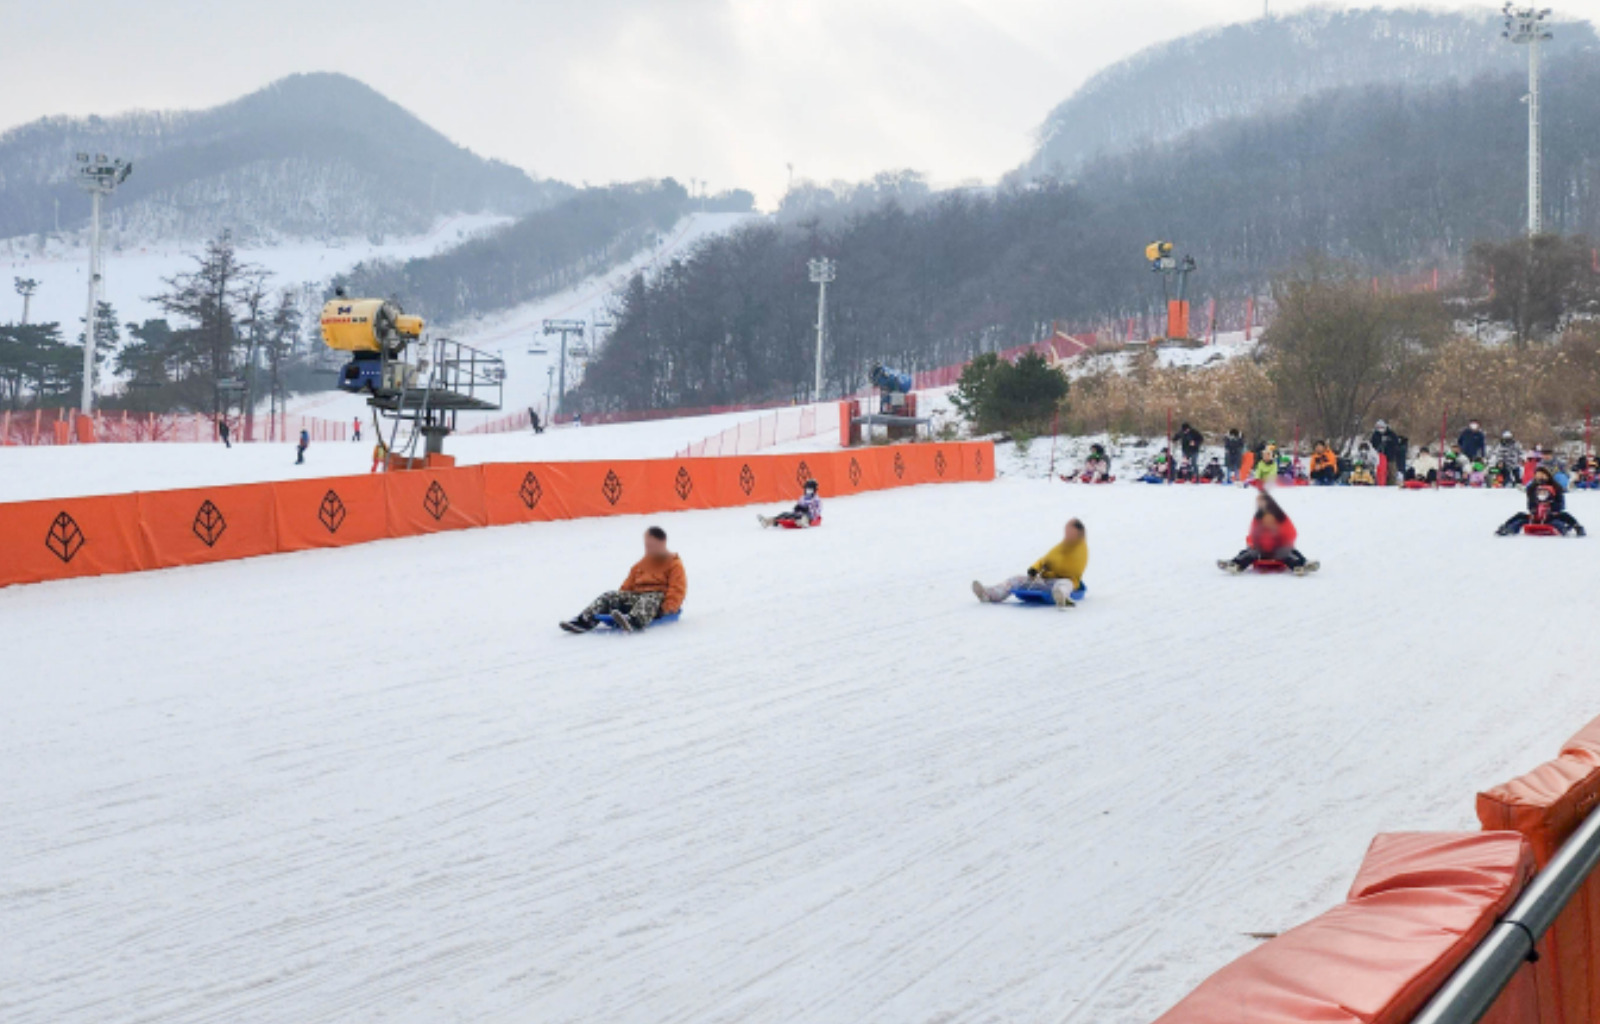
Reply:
x=747, y=480
x=331, y=512
x=855, y=473
x=611, y=487
x=899, y=466
x=65, y=538
x=683, y=484
x=802, y=473
x=209, y=525
x=530, y=492
x=938, y=463
x=436, y=502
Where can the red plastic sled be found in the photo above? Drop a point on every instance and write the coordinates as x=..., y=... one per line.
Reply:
x=1269, y=565
x=1416, y=485
x=793, y=524
x=1540, y=530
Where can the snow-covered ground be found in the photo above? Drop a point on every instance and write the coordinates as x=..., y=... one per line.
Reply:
x=376, y=783
x=28, y=473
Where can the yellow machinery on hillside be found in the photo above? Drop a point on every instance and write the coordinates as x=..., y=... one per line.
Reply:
x=1159, y=255
x=408, y=380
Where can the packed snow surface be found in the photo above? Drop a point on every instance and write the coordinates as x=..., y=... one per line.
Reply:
x=377, y=783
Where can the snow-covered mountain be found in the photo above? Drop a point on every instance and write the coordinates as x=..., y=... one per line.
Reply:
x=310, y=156
x=1268, y=65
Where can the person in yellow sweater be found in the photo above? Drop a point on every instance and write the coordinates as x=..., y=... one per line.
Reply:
x=1058, y=573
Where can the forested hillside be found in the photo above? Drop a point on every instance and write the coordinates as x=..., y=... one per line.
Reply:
x=538, y=254
x=1386, y=178
x=316, y=155
x=1269, y=65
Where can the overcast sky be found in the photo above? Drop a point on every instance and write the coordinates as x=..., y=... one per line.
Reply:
x=729, y=91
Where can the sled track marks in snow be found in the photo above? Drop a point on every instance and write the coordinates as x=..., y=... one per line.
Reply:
x=840, y=789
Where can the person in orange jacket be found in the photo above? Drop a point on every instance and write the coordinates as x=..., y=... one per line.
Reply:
x=1324, y=465
x=655, y=586
x=1272, y=536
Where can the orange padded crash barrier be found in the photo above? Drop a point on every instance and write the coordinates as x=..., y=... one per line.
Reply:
x=1418, y=906
x=67, y=537
x=1546, y=806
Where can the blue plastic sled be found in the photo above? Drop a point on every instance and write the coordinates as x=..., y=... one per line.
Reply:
x=1036, y=596
x=605, y=619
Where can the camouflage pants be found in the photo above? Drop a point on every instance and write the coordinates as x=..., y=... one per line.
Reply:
x=641, y=607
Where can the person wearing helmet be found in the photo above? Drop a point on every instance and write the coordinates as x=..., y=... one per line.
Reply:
x=1508, y=458
x=1547, y=504
x=806, y=512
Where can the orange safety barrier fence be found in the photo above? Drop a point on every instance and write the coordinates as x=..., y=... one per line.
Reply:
x=68, y=537
x=1419, y=905
x=1546, y=806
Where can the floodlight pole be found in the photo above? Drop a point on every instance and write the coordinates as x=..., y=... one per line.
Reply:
x=822, y=271
x=1525, y=25
x=99, y=176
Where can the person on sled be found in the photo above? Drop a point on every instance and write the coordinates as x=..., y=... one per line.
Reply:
x=1159, y=470
x=1547, y=505
x=1478, y=475
x=1272, y=537
x=1266, y=469
x=1324, y=465
x=1059, y=572
x=1214, y=473
x=1424, y=468
x=806, y=512
x=1097, y=468
x=655, y=586
x=1586, y=473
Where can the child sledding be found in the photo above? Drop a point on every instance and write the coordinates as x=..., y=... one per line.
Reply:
x=1547, y=513
x=1096, y=468
x=1057, y=577
x=806, y=513
x=1269, y=546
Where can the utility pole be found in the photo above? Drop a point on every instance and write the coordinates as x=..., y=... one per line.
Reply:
x=26, y=286
x=98, y=176
x=549, y=386
x=822, y=271
x=1525, y=25
x=563, y=328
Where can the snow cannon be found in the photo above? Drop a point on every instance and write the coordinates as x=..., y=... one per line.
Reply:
x=371, y=330
x=889, y=381
x=897, y=406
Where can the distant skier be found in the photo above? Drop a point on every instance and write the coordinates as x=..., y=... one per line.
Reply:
x=300, y=449
x=806, y=512
x=655, y=586
x=533, y=418
x=1272, y=536
x=356, y=430
x=1058, y=573
x=222, y=432
x=1547, y=505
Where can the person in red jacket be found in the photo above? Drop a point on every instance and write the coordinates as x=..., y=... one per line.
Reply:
x=1272, y=536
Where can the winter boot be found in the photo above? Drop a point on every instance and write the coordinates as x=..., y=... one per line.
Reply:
x=982, y=592
x=1229, y=566
x=765, y=521
x=581, y=624
x=1063, y=597
x=624, y=622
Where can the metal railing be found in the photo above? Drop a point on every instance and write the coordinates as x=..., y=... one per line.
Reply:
x=1480, y=979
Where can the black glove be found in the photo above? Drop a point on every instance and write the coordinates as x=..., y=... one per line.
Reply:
x=1033, y=573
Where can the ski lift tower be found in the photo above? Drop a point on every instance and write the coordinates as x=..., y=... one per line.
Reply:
x=1525, y=25
x=99, y=176
x=567, y=329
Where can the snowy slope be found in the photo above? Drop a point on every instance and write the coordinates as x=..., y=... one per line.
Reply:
x=839, y=790
x=512, y=333
x=133, y=275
